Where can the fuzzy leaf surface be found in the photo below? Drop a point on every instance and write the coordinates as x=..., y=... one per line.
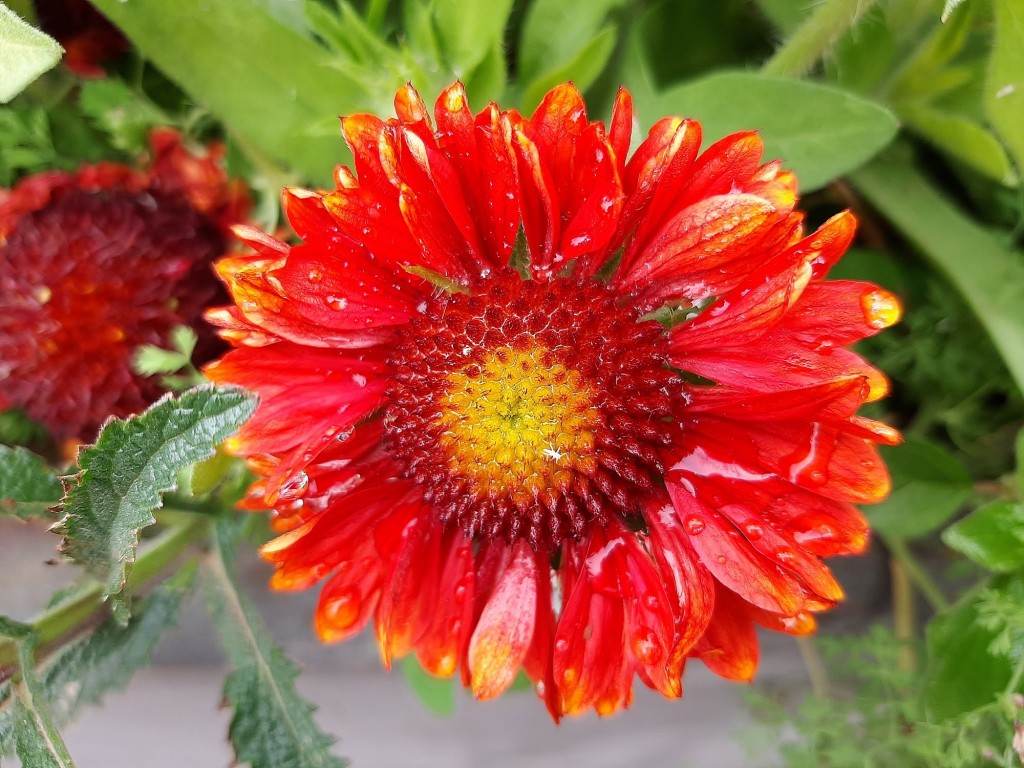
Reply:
x=132, y=464
x=25, y=53
x=272, y=725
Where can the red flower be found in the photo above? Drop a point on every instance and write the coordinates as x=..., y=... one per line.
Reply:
x=527, y=403
x=94, y=264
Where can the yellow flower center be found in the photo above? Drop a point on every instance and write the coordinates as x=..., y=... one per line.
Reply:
x=517, y=423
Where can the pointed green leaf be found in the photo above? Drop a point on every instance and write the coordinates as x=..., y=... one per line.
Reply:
x=25, y=53
x=928, y=486
x=272, y=725
x=992, y=536
x=270, y=84
x=27, y=485
x=469, y=30
x=564, y=40
x=132, y=464
x=818, y=131
x=962, y=138
x=1004, y=88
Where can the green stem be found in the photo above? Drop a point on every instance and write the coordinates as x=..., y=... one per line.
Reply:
x=815, y=666
x=813, y=38
x=903, y=614
x=1015, y=679
x=81, y=608
x=917, y=574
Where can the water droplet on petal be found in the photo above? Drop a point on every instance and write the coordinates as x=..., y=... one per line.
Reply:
x=336, y=303
x=881, y=308
x=694, y=525
x=753, y=531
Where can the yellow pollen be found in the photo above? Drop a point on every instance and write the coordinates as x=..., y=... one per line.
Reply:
x=518, y=423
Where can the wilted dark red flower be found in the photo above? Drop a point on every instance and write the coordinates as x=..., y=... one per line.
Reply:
x=88, y=38
x=527, y=402
x=94, y=264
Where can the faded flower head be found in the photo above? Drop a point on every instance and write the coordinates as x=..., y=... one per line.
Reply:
x=94, y=264
x=530, y=402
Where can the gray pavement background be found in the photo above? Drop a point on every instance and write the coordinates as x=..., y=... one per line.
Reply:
x=170, y=714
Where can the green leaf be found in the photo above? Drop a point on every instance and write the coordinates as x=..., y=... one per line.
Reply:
x=987, y=274
x=948, y=8
x=469, y=30
x=992, y=536
x=435, y=693
x=274, y=87
x=25, y=53
x=784, y=14
x=125, y=115
x=27, y=485
x=583, y=68
x=272, y=725
x=818, y=131
x=928, y=486
x=133, y=462
x=961, y=673
x=962, y=138
x=1004, y=88
x=25, y=719
x=564, y=40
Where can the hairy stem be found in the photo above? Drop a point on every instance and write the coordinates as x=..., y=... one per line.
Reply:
x=67, y=617
x=903, y=613
x=916, y=574
x=815, y=666
x=812, y=39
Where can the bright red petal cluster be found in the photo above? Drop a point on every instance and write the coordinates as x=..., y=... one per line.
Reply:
x=528, y=402
x=94, y=264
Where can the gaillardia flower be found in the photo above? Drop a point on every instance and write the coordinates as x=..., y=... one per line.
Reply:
x=94, y=264
x=528, y=402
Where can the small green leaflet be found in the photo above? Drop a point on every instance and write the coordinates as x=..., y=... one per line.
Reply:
x=992, y=536
x=28, y=486
x=272, y=725
x=123, y=475
x=25, y=53
x=37, y=742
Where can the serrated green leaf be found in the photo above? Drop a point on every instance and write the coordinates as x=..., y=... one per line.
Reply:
x=1004, y=87
x=272, y=725
x=435, y=693
x=928, y=486
x=818, y=131
x=268, y=83
x=25, y=53
x=961, y=673
x=987, y=274
x=133, y=462
x=967, y=141
x=27, y=484
x=992, y=536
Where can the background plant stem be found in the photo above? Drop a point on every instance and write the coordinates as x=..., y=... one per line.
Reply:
x=814, y=37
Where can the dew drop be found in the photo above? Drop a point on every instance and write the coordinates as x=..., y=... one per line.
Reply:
x=336, y=303
x=881, y=308
x=785, y=556
x=294, y=488
x=316, y=275
x=753, y=531
x=652, y=602
x=645, y=647
x=561, y=645
x=694, y=525
x=358, y=379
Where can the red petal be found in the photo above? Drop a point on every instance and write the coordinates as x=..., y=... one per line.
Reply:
x=505, y=629
x=729, y=647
